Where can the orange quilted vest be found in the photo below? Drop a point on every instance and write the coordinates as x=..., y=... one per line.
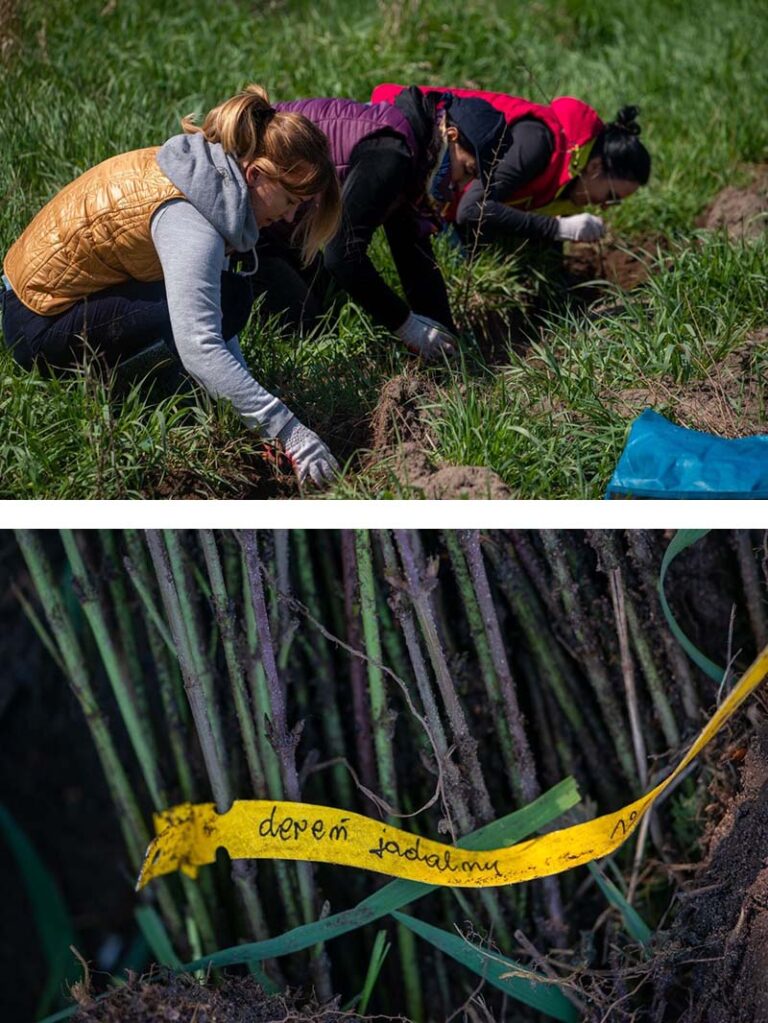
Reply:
x=93, y=234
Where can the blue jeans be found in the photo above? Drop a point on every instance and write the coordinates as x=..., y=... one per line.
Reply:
x=115, y=324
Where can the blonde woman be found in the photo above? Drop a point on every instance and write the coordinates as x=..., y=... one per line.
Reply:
x=138, y=248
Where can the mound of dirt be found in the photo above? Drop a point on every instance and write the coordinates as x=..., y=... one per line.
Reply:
x=730, y=402
x=400, y=438
x=465, y=482
x=181, y=998
x=621, y=264
x=743, y=212
x=397, y=416
x=415, y=471
x=716, y=960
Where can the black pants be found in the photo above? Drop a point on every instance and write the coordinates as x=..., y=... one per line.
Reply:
x=297, y=295
x=115, y=324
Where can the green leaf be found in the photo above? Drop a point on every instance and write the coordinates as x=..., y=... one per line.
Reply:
x=255, y=970
x=378, y=954
x=153, y=929
x=634, y=923
x=136, y=957
x=52, y=919
x=682, y=539
x=64, y=1014
x=506, y=831
x=530, y=988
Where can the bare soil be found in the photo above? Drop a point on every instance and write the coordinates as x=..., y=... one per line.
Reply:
x=729, y=402
x=715, y=963
x=743, y=212
x=401, y=438
x=182, y=999
x=615, y=261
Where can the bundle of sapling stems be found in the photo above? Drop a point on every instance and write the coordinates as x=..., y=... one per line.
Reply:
x=436, y=680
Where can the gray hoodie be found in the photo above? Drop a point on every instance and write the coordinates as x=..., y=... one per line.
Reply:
x=191, y=236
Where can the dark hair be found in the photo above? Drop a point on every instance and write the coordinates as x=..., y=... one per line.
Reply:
x=623, y=154
x=432, y=102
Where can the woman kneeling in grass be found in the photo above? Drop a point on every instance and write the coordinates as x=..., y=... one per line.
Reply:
x=138, y=248
x=391, y=159
x=560, y=158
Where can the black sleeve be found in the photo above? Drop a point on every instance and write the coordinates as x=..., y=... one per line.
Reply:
x=379, y=172
x=526, y=158
x=417, y=267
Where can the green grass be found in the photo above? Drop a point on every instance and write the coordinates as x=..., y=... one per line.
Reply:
x=549, y=425
x=84, y=81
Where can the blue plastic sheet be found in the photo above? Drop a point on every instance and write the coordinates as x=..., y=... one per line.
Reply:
x=661, y=460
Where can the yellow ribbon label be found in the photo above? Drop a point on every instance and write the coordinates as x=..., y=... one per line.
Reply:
x=188, y=835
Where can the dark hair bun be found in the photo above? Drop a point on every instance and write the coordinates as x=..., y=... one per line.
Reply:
x=623, y=154
x=625, y=119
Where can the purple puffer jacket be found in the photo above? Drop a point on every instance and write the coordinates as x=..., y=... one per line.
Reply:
x=347, y=122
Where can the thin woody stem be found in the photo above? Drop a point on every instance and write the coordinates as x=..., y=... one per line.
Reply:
x=134, y=831
x=196, y=694
x=418, y=590
x=122, y=686
x=225, y=616
x=284, y=742
x=361, y=708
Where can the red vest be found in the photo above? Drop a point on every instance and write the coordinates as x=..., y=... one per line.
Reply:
x=573, y=124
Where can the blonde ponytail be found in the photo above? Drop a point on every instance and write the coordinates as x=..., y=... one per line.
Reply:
x=238, y=124
x=284, y=147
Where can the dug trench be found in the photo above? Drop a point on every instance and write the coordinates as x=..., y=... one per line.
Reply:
x=400, y=442
x=393, y=440
x=591, y=266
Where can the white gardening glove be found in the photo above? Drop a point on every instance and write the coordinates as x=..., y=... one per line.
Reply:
x=581, y=227
x=307, y=453
x=426, y=337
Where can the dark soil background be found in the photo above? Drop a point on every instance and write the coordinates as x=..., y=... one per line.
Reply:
x=52, y=784
x=715, y=956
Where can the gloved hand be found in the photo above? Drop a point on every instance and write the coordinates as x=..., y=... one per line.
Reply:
x=581, y=227
x=307, y=453
x=426, y=337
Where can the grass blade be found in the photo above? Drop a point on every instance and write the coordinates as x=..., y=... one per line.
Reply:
x=153, y=929
x=378, y=954
x=683, y=539
x=633, y=922
x=529, y=989
x=54, y=924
